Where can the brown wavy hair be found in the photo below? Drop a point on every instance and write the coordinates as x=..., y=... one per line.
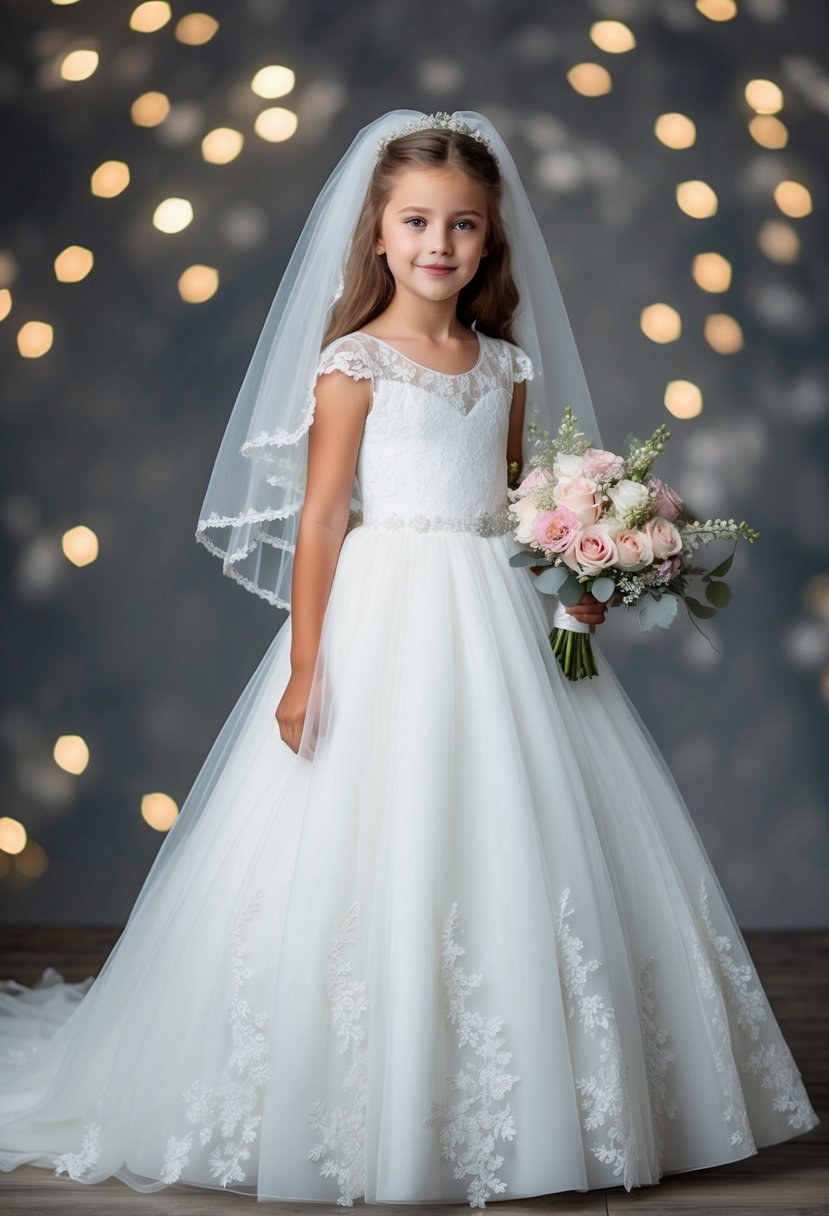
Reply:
x=490, y=298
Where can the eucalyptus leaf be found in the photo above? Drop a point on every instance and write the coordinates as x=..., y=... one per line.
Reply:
x=658, y=611
x=527, y=559
x=571, y=590
x=718, y=594
x=723, y=567
x=603, y=587
x=549, y=581
x=698, y=609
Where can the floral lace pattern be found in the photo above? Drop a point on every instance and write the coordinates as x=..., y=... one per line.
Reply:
x=342, y=1147
x=231, y=1107
x=604, y=1099
x=473, y=1125
x=657, y=1058
x=723, y=980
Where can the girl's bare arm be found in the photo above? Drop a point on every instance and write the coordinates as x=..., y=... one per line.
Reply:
x=333, y=445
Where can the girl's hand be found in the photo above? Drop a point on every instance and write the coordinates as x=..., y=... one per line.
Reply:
x=588, y=609
x=292, y=708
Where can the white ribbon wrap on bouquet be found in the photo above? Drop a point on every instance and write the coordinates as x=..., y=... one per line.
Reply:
x=564, y=620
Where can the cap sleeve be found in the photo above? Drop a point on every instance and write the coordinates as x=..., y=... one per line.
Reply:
x=346, y=354
x=522, y=368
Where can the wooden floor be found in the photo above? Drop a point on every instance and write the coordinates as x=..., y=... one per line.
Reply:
x=791, y=1179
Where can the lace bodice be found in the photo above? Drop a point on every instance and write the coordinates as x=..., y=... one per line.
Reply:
x=433, y=452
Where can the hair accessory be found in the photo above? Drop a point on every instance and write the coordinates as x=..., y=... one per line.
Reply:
x=442, y=122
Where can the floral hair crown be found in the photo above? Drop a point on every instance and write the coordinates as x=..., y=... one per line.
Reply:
x=440, y=121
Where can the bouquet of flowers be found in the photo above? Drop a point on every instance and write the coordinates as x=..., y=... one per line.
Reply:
x=606, y=524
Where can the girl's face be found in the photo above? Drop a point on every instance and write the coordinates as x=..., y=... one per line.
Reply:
x=433, y=217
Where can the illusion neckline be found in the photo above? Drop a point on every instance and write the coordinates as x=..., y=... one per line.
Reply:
x=422, y=366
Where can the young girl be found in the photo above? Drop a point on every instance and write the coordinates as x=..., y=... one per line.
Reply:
x=443, y=931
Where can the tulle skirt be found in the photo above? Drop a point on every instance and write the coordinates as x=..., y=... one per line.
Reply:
x=466, y=945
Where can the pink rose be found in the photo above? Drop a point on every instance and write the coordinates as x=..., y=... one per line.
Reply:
x=538, y=477
x=666, y=500
x=598, y=463
x=556, y=530
x=582, y=496
x=593, y=550
x=664, y=537
x=634, y=548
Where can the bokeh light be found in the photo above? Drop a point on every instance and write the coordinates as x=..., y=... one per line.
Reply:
x=675, y=130
x=696, y=199
x=196, y=29
x=173, y=215
x=764, y=96
x=71, y=754
x=79, y=545
x=198, y=283
x=711, y=272
x=779, y=241
x=79, y=65
x=614, y=37
x=35, y=339
x=73, y=263
x=660, y=323
x=723, y=333
x=110, y=179
x=273, y=81
x=222, y=145
x=683, y=399
x=275, y=124
x=590, y=79
x=717, y=10
x=12, y=835
x=159, y=811
x=150, y=17
x=793, y=199
x=150, y=109
x=768, y=131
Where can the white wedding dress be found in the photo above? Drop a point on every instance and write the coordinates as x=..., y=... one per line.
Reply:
x=466, y=945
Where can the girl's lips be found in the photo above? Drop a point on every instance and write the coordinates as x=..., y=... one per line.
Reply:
x=438, y=270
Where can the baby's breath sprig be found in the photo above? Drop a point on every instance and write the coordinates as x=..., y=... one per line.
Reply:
x=639, y=457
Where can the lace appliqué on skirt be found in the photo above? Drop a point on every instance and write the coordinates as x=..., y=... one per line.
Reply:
x=342, y=1148
x=604, y=1099
x=722, y=979
x=230, y=1107
x=473, y=1125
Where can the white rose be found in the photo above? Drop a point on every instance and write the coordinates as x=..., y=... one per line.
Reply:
x=568, y=465
x=627, y=494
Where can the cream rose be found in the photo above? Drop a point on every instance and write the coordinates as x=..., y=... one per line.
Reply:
x=582, y=496
x=525, y=512
x=664, y=537
x=626, y=495
x=634, y=549
x=566, y=464
x=594, y=549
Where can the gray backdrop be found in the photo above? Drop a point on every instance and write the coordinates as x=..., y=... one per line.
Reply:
x=144, y=651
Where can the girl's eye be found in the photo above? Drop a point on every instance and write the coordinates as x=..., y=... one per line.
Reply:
x=420, y=220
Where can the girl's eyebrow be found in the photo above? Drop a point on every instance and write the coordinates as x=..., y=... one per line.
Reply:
x=427, y=211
